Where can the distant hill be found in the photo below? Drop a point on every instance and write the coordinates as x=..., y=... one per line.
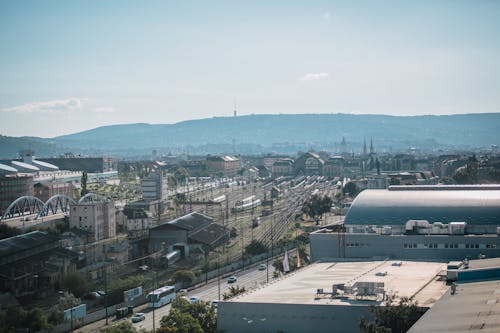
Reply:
x=260, y=132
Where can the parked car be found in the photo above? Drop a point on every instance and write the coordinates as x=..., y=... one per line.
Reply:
x=232, y=279
x=139, y=316
x=194, y=299
x=215, y=303
x=262, y=267
x=182, y=292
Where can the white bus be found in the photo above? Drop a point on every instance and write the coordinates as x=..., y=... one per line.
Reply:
x=161, y=296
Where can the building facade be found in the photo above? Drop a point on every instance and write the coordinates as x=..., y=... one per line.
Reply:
x=96, y=218
x=416, y=222
x=13, y=187
x=224, y=165
x=154, y=187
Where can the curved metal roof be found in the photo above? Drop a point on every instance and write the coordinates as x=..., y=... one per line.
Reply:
x=7, y=169
x=44, y=165
x=25, y=166
x=395, y=207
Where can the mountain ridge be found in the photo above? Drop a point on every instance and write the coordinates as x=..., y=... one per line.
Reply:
x=390, y=132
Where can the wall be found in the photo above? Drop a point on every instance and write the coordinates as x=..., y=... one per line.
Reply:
x=324, y=246
x=289, y=318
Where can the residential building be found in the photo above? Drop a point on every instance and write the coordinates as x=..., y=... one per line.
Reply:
x=154, y=187
x=96, y=218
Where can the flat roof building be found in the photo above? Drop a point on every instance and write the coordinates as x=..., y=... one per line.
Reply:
x=304, y=300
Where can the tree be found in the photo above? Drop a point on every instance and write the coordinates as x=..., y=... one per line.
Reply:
x=122, y=327
x=392, y=318
x=233, y=291
x=316, y=206
x=184, y=276
x=351, y=189
x=201, y=311
x=179, y=322
x=7, y=231
x=255, y=247
x=19, y=318
x=66, y=301
x=84, y=184
x=76, y=283
x=180, y=174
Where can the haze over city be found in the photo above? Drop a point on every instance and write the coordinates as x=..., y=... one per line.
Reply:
x=68, y=66
x=249, y=166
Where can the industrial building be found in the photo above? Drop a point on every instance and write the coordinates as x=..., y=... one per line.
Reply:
x=329, y=297
x=416, y=222
x=473, y=303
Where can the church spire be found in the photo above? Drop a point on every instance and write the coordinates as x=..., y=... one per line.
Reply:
x=371, y=146
x=365, y=151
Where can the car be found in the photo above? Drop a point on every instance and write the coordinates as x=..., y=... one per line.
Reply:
x=262, y=267
x=182, y=292
x=194, y=299
x=381, y=274
x=139, y=316
x=215, y=303
x=232, y=279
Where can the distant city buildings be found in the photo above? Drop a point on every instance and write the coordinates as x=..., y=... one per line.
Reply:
x=224, y=165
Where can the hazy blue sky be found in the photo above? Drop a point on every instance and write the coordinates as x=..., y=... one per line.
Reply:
x=67, y=66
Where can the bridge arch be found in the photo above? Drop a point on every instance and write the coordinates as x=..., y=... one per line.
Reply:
x=25, y=205
x=91, y=197
x=56, y=203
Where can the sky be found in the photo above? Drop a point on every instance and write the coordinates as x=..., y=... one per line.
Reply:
x=68, y=66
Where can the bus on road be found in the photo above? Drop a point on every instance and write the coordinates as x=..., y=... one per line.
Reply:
x=161, y=296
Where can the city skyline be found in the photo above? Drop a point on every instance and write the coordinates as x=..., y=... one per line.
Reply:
x=74, y=66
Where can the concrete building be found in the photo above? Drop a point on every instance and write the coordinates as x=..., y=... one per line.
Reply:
x=154, y=187
x=13, y=186
x=96, y=218
x=416, y=222
x=224, y=165
x=328, y=297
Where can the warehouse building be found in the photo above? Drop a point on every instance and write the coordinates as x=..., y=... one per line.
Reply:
x=416, y=222
x=329, y=297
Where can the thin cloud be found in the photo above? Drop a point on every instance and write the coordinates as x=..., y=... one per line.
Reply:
x=315, y=76
x=48, y=106
x=104, y=110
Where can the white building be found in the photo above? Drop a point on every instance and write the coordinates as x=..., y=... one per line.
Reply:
x=154, y=187
x=97, y=218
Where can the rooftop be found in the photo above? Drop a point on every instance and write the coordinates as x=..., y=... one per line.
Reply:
x=410, y=279
x=478, y=205
x=12, y=245
x=474, y=307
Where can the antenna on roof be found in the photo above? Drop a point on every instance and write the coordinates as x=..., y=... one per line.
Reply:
x=235, y=110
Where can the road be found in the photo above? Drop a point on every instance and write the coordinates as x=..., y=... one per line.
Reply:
x=250, y=278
